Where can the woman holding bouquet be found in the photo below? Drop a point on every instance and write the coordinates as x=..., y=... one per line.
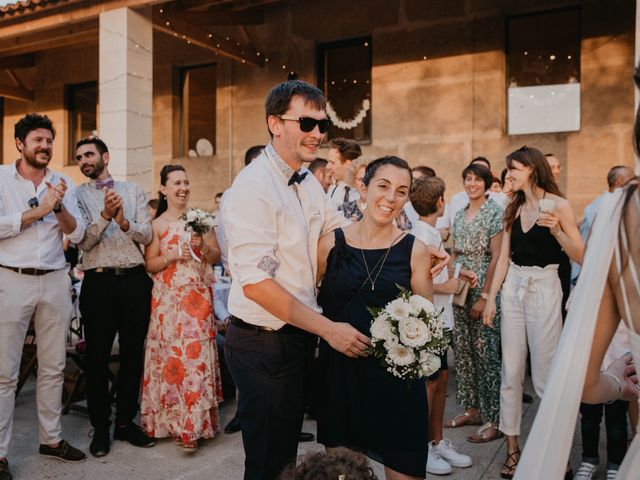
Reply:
x=361, y=405
x=181, y=386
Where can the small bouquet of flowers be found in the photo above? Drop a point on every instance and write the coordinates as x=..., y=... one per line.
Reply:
x=198, y=221
x=408, y=337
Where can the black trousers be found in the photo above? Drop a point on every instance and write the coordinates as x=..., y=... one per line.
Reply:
x=617, y=436
x=270, y=371
x=108, y=304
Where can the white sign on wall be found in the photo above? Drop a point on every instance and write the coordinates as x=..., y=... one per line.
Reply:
x=544, y=109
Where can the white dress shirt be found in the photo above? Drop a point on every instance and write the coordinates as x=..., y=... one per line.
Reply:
x=336, y=193
x=273, y=231
x=221, y=234
x=431, y=237
x=40, y=244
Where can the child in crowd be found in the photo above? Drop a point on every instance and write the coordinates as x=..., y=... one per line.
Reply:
x=427, y=198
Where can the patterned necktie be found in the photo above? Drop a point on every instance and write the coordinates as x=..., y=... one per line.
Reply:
x=100, y=184
x=346, y=194
x=297, y=177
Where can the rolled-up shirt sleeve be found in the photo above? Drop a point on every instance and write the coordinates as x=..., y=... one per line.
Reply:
x=140, y=222
x=70, y=202
x=251, y=227
x=9, y=223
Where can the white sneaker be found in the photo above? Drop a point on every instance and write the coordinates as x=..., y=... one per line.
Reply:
x=612, y=474
x=436, y=465
x=586, y=471
x=454, y=458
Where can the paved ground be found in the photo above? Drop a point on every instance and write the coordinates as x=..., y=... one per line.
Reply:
x=221, y=458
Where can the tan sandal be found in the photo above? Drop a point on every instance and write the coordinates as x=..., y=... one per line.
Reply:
x=485, y=433
x=462, y=420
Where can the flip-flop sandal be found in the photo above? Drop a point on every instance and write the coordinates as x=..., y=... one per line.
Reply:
x=481, y=435
x=462, y=420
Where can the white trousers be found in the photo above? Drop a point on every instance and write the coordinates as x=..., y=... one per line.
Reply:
x=531, y=314
x=47, y=300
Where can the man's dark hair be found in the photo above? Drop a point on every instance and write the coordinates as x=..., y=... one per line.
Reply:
x=373, y=167
x=100, y=145
x=153, y=203
x=425, y=193
x=424, y=170
x=549, y=154
x=252, y=153
x=615, y=172
x=348, y=149
x=317, y=164
x=482, y=159
x=479, y=171
x=30, y=122
x=219, y=195
x=279, y=98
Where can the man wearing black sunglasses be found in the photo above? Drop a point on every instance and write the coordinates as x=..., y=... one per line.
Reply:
x=274, y=215
x=35, y=211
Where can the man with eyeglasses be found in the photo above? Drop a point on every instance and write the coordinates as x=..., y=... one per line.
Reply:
x=115, y=295
x=35, y=211
x=274, y=215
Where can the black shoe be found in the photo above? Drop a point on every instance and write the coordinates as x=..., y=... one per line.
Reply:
x=133, y=434
x=101, y=443
x=63, y=451
x=526, y=398
x=5, y=474
x=233, y=426
x=307, y=437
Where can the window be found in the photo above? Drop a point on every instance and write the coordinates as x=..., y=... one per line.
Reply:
x=82, y=107
x=544, y=48
x=543, y=72
x=198, y=111
x=344, y=74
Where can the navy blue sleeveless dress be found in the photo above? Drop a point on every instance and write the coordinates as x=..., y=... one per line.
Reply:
x=360, y=405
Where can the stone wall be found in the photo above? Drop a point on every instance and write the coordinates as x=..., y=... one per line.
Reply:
x=442, y=111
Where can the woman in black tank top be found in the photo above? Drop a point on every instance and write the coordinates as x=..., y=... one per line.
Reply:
x=539, y=225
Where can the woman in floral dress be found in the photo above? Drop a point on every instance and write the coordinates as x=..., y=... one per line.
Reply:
x=477, y=235
x=181, y=386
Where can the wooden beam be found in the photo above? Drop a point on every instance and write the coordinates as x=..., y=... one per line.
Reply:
x=215, y=18
x=16, y=26
x=58, y=37
x=174, y=26
x=16, y=93
x=18, y=61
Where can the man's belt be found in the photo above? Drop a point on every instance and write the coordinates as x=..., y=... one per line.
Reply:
x=117, y=271
x=29, y=270
x=285, y=330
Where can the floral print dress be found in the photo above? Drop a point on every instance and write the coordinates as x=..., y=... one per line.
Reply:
x=478, y=357
x=181, y=386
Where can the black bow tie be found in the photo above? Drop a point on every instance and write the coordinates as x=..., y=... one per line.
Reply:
x=297, y=177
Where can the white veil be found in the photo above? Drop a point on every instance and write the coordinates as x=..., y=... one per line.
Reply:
x=549, y=443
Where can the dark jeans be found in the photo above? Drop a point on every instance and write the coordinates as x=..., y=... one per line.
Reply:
x=270, y=371
x=114, y=303
x=228, y=386
x=616, y=424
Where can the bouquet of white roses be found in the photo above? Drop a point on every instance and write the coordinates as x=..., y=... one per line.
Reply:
x=198, y=221
x=408, y=337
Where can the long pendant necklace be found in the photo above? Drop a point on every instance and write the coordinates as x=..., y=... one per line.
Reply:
x=380, y=262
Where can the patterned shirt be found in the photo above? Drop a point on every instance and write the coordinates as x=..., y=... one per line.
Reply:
x=472, y=239
x=105, y=244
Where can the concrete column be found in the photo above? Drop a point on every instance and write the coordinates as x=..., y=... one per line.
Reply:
x=126, y=93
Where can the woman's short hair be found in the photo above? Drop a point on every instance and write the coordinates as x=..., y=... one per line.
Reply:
x=480, y=171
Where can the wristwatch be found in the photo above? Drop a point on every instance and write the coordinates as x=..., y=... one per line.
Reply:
x=58, y=209
x=484, y=296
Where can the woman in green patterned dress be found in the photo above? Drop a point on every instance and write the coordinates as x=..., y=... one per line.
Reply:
x=477, y=235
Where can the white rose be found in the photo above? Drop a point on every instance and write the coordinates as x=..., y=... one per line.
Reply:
x=421, y=303
x=391, y=342
x=413, y=332
x=429, y=363
x=191, y=216
x=399, y=308
x=401, y=356
x=380, y=328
